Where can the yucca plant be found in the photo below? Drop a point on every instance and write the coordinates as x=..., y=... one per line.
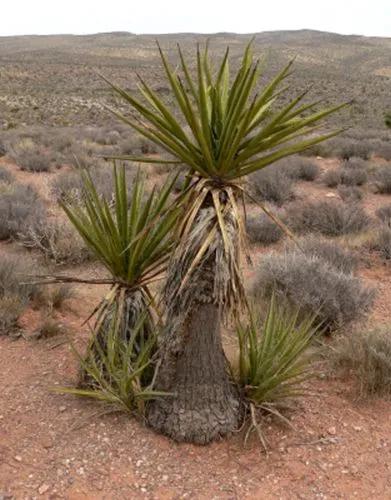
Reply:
x=273, y=354
x=121, y=373
x=133, y=241
x=274, y=361
x=221, y=130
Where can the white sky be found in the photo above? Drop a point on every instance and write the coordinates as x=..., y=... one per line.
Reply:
x=363, y=17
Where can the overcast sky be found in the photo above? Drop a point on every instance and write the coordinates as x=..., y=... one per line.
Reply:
x=364, y=17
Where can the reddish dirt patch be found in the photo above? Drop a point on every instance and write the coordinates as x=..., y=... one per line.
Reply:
x=61, y=446
x=54, y=446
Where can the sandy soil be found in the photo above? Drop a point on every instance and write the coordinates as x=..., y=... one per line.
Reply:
x=56, y=446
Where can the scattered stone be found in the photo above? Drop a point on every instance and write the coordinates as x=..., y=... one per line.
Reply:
x=357, y=428
x=43, y=488
x=332, y=431
x=62, y=408
x=18, y=458
x=331, y=195
x=47, y=442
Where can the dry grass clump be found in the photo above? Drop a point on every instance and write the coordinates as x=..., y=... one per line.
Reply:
x=14, y=294
x=330, y=218
x=382, y=179
x=367, y=355
x=332, y=178
x=384, y=214
x=332, y=253
x=5, y=176
x=69, y=185
x=355, y=163
x=350, y=194
x=271, y=185
x=346, y=148
x=20, y=207
x=319, y=281
x=384, y=150
x=262, y=229
x=57, y=240
x=31, y=157
x=346, y=176
x=382, y=242
x=353, y=176
x=299, y=168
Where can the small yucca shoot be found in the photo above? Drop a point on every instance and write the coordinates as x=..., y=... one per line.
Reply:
x=121, y=373
x=273, y=355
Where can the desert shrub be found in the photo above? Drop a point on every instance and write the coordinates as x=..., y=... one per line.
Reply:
x=384, y=214
x=31, y=157
x=366, y=354
x=20, y=207
x=3, y=149
x=346, y=148
x=129, y=146
x=355, y=163
x=274, y=357
x=262, y=229
x=69, y=185
x=353, y=176
x=14, y=294
x=350, y=194
x=332, y=178
x=382, y=179
x=58, y=241
x=346, y=176
x=49, y=328
x=5, y=176
x=382, y=242
x=271, y=185
x=53, y=296
x=299, y=168
x=314, y=285
x=384, y=151
x=331, y=218
x=328, y=251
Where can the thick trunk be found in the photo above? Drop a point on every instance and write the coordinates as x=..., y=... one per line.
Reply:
x=205, y=404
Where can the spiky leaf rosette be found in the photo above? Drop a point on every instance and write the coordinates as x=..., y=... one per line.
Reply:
x=132, y=240
x=228, y=129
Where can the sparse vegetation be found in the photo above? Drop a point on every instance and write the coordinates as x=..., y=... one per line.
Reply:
x=317, y=283
x=382, y=242
x=20, y=208
x=384, y=214
x=299, y=168
x=271, y=184
x=330, y=218
x=262, y=229
x=382, y=179
x=14, y=294
x=367, y=355
x=29, y=156
x=350, y=194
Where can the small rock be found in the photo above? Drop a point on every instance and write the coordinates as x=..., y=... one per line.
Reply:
x=47, y=442
x=331, y=195
x=357, y=428
x=332, y=431
x=62, y=408
x=165, y=478
x=43, y=488
x=18, y=458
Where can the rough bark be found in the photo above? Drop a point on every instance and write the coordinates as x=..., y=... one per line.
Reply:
x=205, y=404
